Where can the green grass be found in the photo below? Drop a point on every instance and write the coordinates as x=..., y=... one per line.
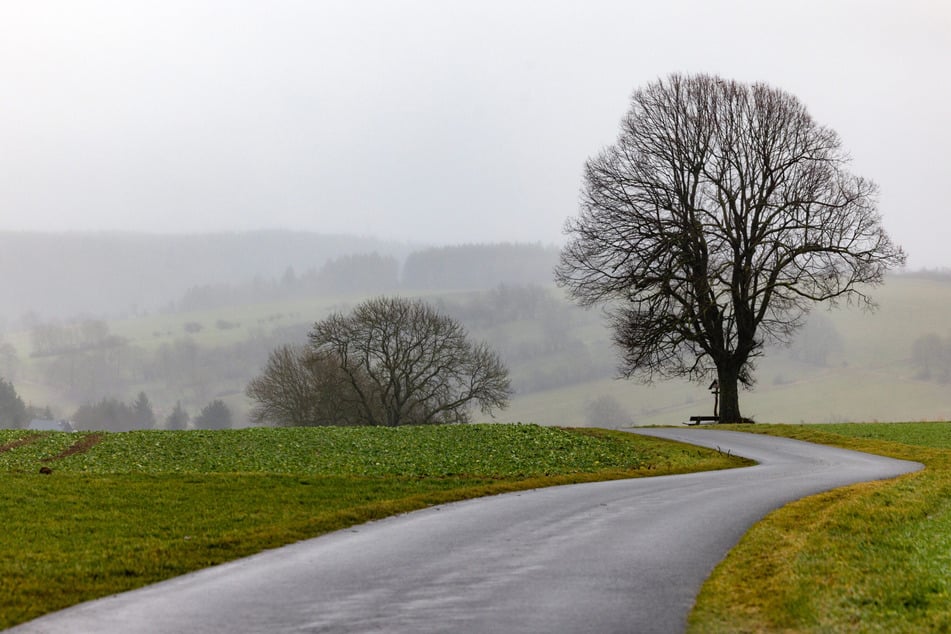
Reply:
x=124, y=510
x=934, y=435
x=873, y=557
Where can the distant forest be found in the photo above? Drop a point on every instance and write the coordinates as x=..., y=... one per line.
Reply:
x=58, y=276
x=459, y=268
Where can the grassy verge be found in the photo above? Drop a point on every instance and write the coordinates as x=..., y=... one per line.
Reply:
x=874, y=557
x=119, y=511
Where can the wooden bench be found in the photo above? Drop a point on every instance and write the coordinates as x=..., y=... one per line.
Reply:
x=696, y=420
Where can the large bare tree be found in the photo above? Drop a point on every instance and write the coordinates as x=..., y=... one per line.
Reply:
x=720, y=216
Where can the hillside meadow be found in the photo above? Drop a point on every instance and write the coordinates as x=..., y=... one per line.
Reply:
x=847, y=365
x=867, y=376
x=116, y=511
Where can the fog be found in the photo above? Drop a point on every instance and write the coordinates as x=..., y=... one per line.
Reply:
x=426, y=121
x=185, y=186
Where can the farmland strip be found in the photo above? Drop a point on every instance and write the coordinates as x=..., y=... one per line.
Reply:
x=26, y=440
x=82, y=445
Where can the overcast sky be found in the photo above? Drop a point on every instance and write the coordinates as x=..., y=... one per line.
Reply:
x=431, y=120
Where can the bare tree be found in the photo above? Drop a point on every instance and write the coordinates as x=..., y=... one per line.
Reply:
x=719, y=217
x=301, y=388
x=285, y=391
x=405, y=363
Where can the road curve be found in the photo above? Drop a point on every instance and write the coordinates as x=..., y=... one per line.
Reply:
x=619, y=556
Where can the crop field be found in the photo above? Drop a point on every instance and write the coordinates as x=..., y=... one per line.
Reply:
x=429, y=451
x=116, y=511
x=874, y=557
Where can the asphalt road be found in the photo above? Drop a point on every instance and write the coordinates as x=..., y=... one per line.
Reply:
x=620, y=556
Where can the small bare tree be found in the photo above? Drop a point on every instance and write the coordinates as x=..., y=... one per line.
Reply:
x=719, y=217
x=405, y=363
x=300, y=388
x=287, y=391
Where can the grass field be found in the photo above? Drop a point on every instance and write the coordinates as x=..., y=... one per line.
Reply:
x=119, y=511
x=874, y=557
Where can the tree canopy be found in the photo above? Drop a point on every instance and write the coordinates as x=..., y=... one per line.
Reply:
x=391, y=361
x=13, y=411
x=301, y=388
x=214, y=415
x=177, y=418
x=720, y=216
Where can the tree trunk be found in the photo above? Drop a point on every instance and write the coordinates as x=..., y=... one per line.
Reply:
x=728, y=377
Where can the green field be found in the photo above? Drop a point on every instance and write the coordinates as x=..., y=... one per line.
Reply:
x=119, y=511
x=874, y=557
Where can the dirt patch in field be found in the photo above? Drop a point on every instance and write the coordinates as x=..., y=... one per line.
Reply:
x=82, y=445
x=26, y=440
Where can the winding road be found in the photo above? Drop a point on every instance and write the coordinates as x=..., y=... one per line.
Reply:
x=620, y=556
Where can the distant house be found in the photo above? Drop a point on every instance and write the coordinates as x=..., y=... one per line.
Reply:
x=38, y=424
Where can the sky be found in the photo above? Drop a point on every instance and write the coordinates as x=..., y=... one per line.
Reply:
x=433, y=121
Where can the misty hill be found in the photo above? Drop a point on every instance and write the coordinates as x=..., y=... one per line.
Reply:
x=894, y=364
x=467, y=267
x=479, y=266
x=59, y=276
x=227, y=300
